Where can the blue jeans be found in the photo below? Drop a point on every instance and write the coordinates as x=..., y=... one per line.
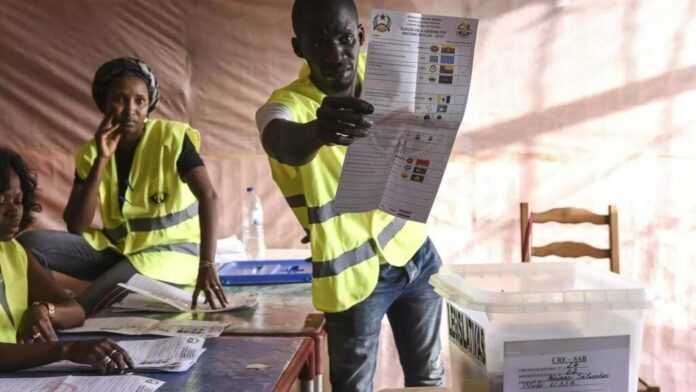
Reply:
x=414, y=311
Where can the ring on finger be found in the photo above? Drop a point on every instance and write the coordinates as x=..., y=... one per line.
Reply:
x=114, y=351
x=106, y=360
x=36, y=335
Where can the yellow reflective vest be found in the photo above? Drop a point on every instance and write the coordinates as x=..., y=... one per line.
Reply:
x=348, y=248
x=13, y=271
x=157, y=228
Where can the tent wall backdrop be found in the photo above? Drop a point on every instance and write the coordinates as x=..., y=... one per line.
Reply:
x=572, y=103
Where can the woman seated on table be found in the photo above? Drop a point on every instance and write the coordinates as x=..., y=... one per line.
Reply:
x=31, y=304
x=150, y=185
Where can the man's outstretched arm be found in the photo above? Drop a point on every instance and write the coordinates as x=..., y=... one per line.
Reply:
x=340, y=120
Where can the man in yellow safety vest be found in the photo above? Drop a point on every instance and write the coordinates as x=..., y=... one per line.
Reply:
x=367, y=264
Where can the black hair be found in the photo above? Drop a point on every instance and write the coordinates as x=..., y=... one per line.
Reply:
x=11, y=161
x=305, y=10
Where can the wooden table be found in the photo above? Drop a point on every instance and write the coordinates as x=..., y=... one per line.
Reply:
x=225, y=366
x=282, y=311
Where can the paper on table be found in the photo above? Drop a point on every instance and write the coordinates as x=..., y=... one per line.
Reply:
x=176, y=354
x=418, y=76
x=598, y=364
x=148, y=326
x=153, y=295
x=27, y=384
x=117, y=383
x=164, y=353
x=137, y=302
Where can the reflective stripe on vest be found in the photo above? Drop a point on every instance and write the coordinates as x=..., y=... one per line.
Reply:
x=314, y=214
x=116, y=234
x=189, y=248
x=322, y=213
x=352, y=257
x=355, y=256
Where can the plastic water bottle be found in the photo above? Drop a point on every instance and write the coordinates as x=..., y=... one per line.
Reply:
x=252, y=225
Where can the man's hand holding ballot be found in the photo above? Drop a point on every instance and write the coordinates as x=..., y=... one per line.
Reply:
x=340, y=120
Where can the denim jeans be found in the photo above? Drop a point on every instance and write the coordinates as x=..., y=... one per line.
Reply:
x=414, y=312
x=72, y=255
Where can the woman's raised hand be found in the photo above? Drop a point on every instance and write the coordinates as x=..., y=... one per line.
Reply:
x=107, y=136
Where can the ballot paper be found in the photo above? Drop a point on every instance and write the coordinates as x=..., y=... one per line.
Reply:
x=418, y=76
x=127, y=383
x=598, y=364
x=175, y=354
x=148, y=326
x=151, y=295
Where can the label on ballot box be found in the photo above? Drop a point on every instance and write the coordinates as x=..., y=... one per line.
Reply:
x=466, y=334
x=598, y=364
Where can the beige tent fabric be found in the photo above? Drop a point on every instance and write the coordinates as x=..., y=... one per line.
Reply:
x=572, y=103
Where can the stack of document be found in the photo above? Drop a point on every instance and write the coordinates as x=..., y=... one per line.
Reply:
x=154, y=296
x=176, y=354
x=127, y=383
x=148, y=326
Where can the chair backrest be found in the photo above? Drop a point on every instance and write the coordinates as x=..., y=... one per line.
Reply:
x=570, y=248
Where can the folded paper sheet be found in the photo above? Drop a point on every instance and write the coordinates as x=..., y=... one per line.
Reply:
x=154, y=296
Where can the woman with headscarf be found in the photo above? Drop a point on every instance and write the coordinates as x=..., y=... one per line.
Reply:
x=156, y=202
x=31, y=305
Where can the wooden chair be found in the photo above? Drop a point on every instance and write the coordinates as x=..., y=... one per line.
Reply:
x=570, y=248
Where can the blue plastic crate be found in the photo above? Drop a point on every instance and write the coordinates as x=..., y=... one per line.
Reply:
x=259, y=272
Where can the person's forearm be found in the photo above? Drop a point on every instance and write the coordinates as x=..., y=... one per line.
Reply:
x=291, y=143
x=23, y=356
x=83, y=201
x=207, y=212
x=69, y=314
